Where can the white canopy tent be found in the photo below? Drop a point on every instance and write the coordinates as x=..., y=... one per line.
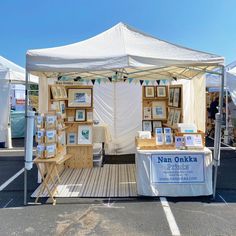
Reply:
x=9, y=73
x=120, y=53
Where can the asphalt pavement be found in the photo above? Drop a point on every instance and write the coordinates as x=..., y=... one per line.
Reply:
x=134, y=216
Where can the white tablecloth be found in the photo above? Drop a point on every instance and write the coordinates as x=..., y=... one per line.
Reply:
x=101, y=134
x=145, y=171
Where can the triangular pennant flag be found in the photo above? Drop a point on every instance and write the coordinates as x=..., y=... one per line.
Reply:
x=130, y=80
x=110, y=79
x=158, y=82
x=146, y=82
x=87, y=82
x=141, y=82
x=93, y=81
x=152, y=82
x=99, y=81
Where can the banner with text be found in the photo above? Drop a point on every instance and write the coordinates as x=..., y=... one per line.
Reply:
x=177, y=168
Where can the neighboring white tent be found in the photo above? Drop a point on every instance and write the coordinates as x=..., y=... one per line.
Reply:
x=9, y=73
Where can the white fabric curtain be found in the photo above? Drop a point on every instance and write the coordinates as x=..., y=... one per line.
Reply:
x=4, y=104
x=119, y=106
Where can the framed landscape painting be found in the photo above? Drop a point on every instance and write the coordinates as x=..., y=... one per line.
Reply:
x=80, y=97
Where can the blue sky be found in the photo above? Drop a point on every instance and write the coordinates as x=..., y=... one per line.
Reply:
x=207, y=25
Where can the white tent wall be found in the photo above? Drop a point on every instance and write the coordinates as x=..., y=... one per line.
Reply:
x=4, y=105
x=119, y=106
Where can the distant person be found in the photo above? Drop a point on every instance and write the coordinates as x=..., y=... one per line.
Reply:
x=214, y=108
x=232, y=113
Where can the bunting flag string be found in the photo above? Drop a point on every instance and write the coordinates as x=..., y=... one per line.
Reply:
x=141, y=82
x=93, y=81
x=146, y=82
x=99, y=81
x=158, y=82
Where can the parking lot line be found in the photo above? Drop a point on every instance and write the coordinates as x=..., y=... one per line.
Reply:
x=170, y=217
x=4, y=185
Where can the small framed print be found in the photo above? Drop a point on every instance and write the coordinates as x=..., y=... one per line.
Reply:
x=147, y=113
x=167, y=130
x=63, y=91
x=159, y=110
x=168, y=138
x=159, y=139
x=80, y=97
x=176, y=118
x=80, y=115
x=158, y=131
x=62, y=109
x=176, y=99
x=59, y=92
x=170, y=117
x=156, y=124
x=147, y=126
x=55, y=106
x=85, y=134
x=161, y=91
x=71, y=138
x=54, y=92
x=89, y=116
x=149, y=91
x=171, y=96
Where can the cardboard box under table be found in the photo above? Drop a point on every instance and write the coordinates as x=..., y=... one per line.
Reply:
x=174, y=172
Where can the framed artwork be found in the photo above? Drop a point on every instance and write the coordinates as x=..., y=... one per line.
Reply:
x=80, y=97
x=89, y=115
x=55, y=106
x=59, y=92
x=85, y=134
x=71, y=138
x=176, y=99
x=50, y=150
x=80, y=115
x=63, y=92
x=159, y=139
x=159, y=110
x=176, y=118
x=167, y=130
x=147, y=113
x=63, y=109
x=54, y=92
x=158, y=131
x=161, y=91
x=149, y=91
x=147, y=126
x=171, y=97
x=156, y=124
x=168, y=139
x=170, y=117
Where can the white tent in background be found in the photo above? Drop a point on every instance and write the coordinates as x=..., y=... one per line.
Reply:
x=10, y=73
x=231, y=80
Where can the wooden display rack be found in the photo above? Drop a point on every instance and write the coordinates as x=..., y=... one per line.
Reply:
x=147, y=102
x=82, y=154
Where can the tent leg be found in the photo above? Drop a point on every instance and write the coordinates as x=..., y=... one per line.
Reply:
x=26, y=124
x=217, y=141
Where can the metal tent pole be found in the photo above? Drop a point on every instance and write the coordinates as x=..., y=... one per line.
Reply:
x=26, y=123
x=217, y=141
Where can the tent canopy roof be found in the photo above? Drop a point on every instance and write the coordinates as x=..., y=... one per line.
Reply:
x=16, y=73
x=123, y=49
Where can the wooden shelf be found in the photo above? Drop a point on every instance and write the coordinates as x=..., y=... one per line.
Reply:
x=155, y=99
x=155, y=120
x=171, y=126
x=73, y=108
x=79, y=122
x=79, y=145
x=58, y=99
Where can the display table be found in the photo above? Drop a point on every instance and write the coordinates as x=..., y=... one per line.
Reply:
x=50, y=175
x=174, y=172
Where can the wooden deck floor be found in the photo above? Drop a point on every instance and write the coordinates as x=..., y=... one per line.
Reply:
x=107, y=181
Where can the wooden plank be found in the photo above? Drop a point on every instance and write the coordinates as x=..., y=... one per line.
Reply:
x=96, y=181
x=77, y=186
x=85, y=181
x=90, y=184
